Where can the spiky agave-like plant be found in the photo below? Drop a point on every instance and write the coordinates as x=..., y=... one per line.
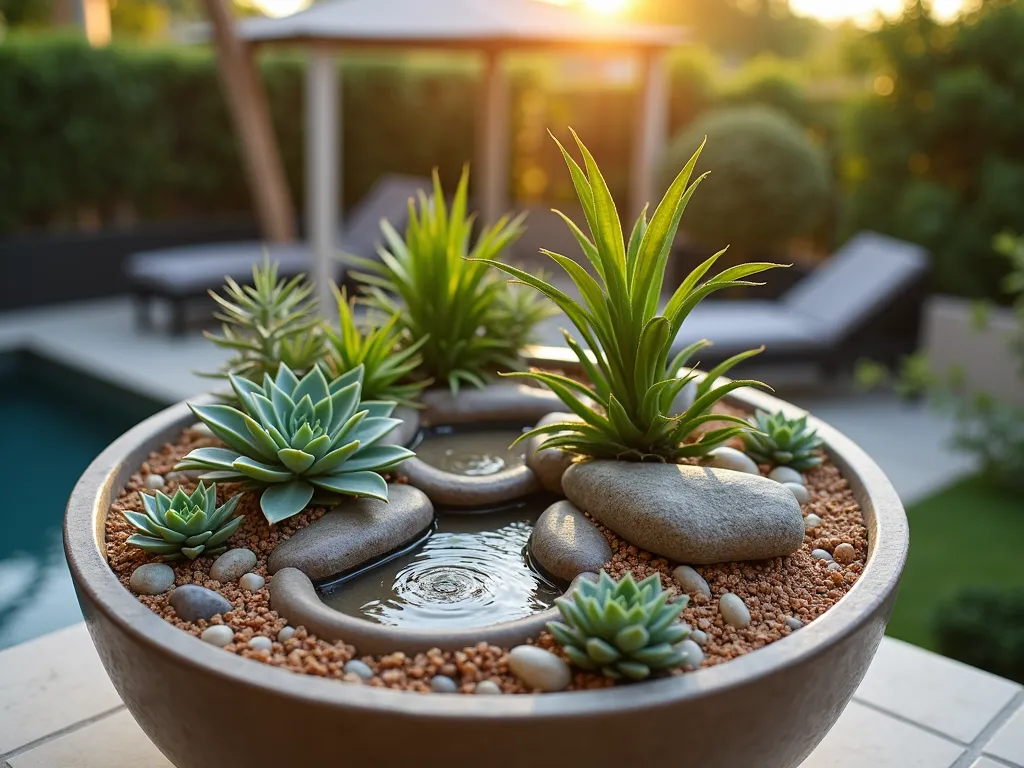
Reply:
x=444, y=299
x=625, y=629
x=634, y=380
x=783, y=442
x=184, y=525
x=269, y=322
x=299, y=438
x=388, y=361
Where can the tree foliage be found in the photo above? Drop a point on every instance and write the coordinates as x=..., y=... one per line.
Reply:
x=936, y=155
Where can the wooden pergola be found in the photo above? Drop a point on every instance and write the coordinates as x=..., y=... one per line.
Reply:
x=486, y=28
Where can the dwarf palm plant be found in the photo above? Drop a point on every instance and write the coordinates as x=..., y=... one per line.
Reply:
x=633, y=376
x=446, y=302
x=388, y=362
x=297, y=439
x=269, y=322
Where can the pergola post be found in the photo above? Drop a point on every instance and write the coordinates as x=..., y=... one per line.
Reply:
x=651, y=136
x=323, y=209
x=251, y=116
x=492, y=154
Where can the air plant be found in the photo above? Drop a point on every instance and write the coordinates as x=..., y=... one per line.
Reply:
x=389, y=362
x=448, y=304
x=627, y=414
x=269, y=322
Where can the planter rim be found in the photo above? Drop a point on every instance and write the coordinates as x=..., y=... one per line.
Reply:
x=85, y=549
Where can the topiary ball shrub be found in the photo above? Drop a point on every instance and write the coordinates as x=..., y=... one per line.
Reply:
x=984, y=627
x=770, y=182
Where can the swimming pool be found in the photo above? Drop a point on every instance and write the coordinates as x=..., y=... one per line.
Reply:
x=54, y=420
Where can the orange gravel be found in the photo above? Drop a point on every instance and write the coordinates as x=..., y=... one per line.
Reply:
x=797, y=586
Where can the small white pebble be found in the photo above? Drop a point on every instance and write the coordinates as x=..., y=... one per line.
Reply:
x=786, y=475
x=694, y=654
x=487, y=687
x=359, y=669
x=261, y=643
x=699, y=636
x=691, y=581
x=734, y=610
x=801, y=494
x=821, y=554
x=443, y=684
x=730, y=458
x=793, y=623
x=201, y=429
x=218, y=634
x=286, y=634
x=812, y=521
x=155, y=482
x=835, y=567
x=252, y=582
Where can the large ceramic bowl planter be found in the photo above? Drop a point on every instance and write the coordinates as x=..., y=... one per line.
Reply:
x=202, y=706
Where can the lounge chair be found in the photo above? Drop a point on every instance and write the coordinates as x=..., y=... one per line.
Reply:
x=181, y=274
x=864, y=301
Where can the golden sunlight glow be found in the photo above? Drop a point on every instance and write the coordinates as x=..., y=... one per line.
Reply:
x=864, y=10
x=607, y=7
x=278, y=8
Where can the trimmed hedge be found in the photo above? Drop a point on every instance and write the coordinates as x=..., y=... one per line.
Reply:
x=98, y=131
x=90, y=136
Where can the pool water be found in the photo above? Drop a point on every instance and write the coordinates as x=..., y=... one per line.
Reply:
x=55, y=421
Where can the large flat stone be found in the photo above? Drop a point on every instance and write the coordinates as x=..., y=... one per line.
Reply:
x=565, y=543
x=356, y=532
x=689, y=514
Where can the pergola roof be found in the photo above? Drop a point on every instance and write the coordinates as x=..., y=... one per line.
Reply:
x=457, y=23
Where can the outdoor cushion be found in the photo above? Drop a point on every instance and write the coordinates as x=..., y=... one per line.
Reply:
x=192, y=269
x=862, y=278
x=736, y=326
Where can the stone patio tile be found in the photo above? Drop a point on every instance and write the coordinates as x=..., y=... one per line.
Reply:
x=984, y=762
x=867, y=738
x=1008, y=743
x=113, y=742
x=49, y=684
x=949, y=697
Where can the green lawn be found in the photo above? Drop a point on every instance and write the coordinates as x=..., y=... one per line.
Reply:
x=969, y=534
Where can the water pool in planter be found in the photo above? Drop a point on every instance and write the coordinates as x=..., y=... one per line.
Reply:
x=56, y=420
x=471, y=451
x=471, y=569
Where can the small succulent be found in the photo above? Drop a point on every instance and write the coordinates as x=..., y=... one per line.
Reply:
x=183, y=525
x=441, y=296
x=299, y=438
x=631, y=335
x=783, y=442
x=625, y=629
x=266, y=323
x=388, y=362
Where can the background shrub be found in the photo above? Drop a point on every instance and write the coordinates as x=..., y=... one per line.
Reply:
x=769, y=184
x=984, y=627
x=936, y=156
